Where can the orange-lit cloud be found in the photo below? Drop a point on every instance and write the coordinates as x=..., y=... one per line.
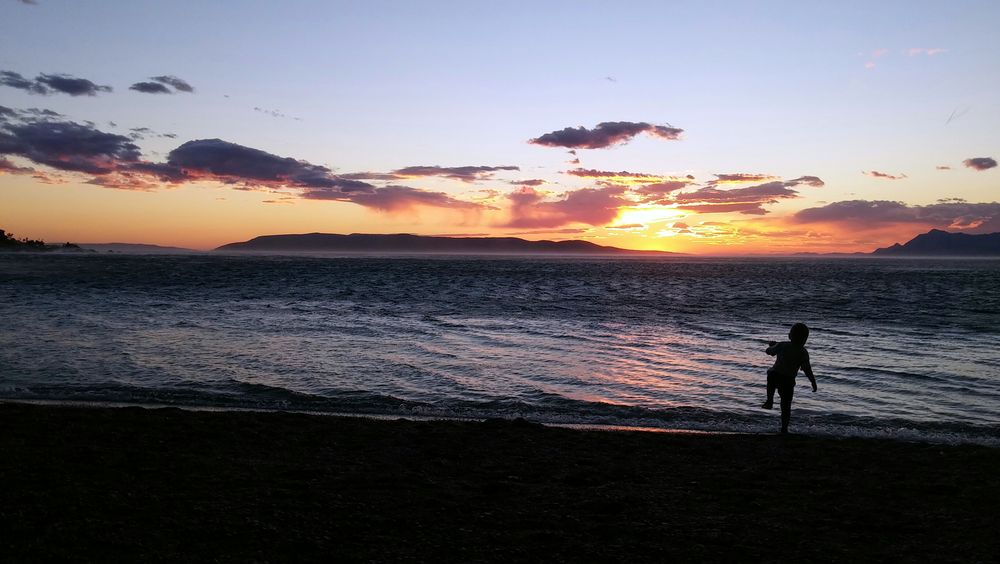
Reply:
x=592, y=206
x=749, y=200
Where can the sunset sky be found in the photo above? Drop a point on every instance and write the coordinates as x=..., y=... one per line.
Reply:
x=701, y=127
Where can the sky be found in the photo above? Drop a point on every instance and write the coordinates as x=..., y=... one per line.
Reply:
x=697, y=127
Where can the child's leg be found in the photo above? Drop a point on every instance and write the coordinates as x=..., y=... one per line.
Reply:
x=771, y=386
x=786, y=392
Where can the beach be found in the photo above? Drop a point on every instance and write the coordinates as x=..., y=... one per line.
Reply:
x=103, y=484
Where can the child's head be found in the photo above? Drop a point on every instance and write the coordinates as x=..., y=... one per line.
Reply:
x=798, y=334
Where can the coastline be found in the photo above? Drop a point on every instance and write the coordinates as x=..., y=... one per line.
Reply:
x=99, y=483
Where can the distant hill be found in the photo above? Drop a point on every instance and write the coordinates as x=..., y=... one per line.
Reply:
x=937, y=243
x=404, y=243
x=134, y=248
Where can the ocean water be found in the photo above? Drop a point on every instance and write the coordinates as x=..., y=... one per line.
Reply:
x=907, y=349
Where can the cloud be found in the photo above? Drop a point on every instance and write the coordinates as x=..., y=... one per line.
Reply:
x=529, y=182
x=563, y=231
x=930, y=52
x=393, y=198
x=15, y=80
x=49, y=83
x=625, y=178
x=749, y=200
x=980, y=163
x=275, y=113
x=942, y=167
x=626, y=226
x=606, y=134
x=657, y=192
x=179, y=84
x=872, y=214
x=114, y=161
x=884, y=175
x=150, y=88
x=7, y=167
x=462, y=173
x=71, y=85
x=65, y=145
x=593, y=206
x=29, y=2
x=740, y=177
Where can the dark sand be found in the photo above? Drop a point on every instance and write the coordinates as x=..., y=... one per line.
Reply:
x=134, y=484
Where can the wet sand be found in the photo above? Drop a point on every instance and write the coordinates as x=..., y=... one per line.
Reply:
x=132, y=484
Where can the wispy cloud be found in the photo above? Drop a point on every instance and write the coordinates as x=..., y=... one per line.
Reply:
x=178, y=84
x=883, y=175
x=462, y=173
x=929, y=51
x=740, y=178
x=624, y=177
x=604, y=135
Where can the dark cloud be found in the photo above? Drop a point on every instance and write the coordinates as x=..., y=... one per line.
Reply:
x=15, y=80
x=871, y=214
x=606, y=134
x=528, y=182
x=179, y=84
x=942, y=167
x=884, y=175
x=980, y=163
x=626, y=226
x=150, y=88
x=67, y=145
x=50, y=83
x=593, y=206
x=29, y=2
x=215, y=159
x=71, y=85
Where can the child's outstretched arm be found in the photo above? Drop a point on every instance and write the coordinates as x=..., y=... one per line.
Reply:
x=807, y=368
x=772, y=348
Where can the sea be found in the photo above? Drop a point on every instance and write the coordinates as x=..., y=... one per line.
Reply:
x=906, y=349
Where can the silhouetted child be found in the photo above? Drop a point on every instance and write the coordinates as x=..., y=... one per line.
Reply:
x=791, y=355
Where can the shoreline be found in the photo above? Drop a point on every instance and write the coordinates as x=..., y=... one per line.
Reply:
x=909, y=432
x=133, y=483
